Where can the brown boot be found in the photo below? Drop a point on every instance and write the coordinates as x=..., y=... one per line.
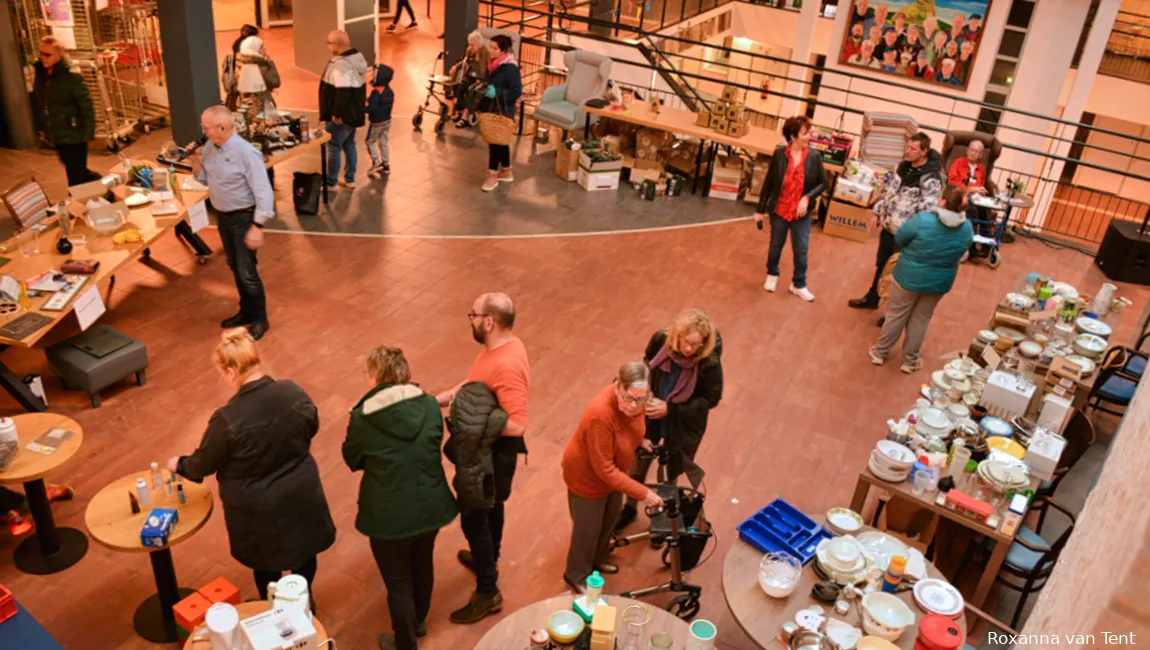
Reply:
x=477, y=608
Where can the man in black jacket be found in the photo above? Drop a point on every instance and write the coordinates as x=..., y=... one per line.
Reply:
x=342, y=104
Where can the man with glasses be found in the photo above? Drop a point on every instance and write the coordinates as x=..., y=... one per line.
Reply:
x=342, y=104
x=242, y=198
x=502, y=366
x=62, y=110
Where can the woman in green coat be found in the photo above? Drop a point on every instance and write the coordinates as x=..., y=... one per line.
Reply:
x=394, y=437
x=62, y=110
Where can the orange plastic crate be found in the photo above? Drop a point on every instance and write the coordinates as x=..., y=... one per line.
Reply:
x=221, y=590
x=190, y=612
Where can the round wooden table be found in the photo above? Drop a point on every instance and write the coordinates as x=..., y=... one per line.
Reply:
x=514, y=631
x=248, y=610
x=111, y=523
x=50, y=549
x=762, y=617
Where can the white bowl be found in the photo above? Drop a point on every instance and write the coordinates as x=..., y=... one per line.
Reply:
x=1029, y=349
x=887, y=611
x=987, y=336
x=1087, y=365
x=1093, y=326
x=843, y=554
x=779, y=574
x=843, y=521
x=873, y=629
x=1010, y=333
x=896, y=456
x=106, y=224
x=1089, y=345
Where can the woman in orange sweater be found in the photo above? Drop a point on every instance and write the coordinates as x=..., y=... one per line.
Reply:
x=595, y=467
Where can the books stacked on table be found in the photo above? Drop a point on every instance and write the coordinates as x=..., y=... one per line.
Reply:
x=884, y=138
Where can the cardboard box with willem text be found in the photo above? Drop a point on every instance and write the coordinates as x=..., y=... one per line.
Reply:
x=848, y=221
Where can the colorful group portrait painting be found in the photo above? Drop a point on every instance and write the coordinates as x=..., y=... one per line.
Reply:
x=936, y=41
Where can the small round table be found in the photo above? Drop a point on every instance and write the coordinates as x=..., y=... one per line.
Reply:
x=515, y=629
x=248, y=610
x=111, y=523
x=50, y=549
x=762, y=617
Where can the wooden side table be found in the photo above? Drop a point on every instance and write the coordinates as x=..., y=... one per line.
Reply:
x=515, y=629
x=50, y=549
x=111, y=523
x=248, y=610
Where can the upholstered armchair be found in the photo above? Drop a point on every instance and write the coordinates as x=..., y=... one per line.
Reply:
x=954, y=147
x=587, y=76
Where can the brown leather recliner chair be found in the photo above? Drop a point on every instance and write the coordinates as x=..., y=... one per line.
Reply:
x=954, y=147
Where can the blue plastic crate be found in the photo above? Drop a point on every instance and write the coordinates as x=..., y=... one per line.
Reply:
x=782, y=527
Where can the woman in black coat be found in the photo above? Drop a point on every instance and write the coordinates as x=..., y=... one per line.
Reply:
x=686, y=383
x=258, y=446
x=794, y=182
x=503, y=92
x=62, y=110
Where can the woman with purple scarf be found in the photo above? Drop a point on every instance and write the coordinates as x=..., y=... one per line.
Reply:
x=686, y=383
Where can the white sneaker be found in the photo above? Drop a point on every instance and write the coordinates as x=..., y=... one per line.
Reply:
x=875, y=358
x=803, y=293
x=771, y=283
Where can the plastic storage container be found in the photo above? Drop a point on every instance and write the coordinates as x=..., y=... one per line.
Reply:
x=780, y=527
x=7, y=604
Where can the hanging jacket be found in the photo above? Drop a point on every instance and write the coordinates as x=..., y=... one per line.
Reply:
x=932, y=246
x=686, y=422
x=61, y=106
x=382, y=96
x=911, y=190
x=394, y=437
x=475, y=426
x=342, y=89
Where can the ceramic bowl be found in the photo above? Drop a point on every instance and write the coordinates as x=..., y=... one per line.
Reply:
x=564, y=626
x=843, y=555
x=106, y=224
x=953, y=375
x=887, y=614
x=1087, y=365
x=958, y=411
x=935, y=422
x=779, y=574
x=843, y=521
x=987, y=336
x=896, y=456
x=1092, y=326
x=1019, y=301
x=1089, y=345
x=1029, y=349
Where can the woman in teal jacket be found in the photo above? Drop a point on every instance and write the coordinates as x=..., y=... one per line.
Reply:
x=394, y=437
x=933, y=244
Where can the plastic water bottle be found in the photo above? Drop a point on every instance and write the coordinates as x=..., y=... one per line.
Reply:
x=142, y=491
x=157, y=477
x=594, y=588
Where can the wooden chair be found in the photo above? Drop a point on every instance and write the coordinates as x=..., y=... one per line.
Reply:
x=1079, y=435
x=1030, y=559
x=1116, y=381
x=27, y=203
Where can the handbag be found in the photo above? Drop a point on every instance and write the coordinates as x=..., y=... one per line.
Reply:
x=496, y=128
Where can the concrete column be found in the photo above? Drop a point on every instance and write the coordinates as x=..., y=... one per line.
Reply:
x=16, y=130
x=801, y=51
x=460, y=18
x=187, y=33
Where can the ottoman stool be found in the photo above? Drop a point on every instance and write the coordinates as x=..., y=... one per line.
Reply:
x=98, y=358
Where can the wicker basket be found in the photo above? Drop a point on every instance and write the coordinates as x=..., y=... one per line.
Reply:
x=496, y=128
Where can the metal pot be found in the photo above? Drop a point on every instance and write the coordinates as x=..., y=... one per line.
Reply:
x=807, y=640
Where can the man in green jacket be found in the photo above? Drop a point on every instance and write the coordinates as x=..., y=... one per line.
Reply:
x=62, y=110
x=394, y=437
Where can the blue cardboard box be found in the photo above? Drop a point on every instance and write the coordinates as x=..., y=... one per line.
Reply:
x=157, y=527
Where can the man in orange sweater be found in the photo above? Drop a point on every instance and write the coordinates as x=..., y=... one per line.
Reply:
x=502, y=366
x=595, y=465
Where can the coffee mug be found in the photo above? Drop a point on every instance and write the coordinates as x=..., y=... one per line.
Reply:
x=703, y=633
x=662, y=641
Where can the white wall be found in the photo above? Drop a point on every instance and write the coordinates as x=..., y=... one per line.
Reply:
x=778, y=27
x=621, y=73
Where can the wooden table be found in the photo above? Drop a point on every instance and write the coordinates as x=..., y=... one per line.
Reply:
x=284, y=155
x=248, y=610
x=50, y=549
x=964, y=483
x=762, y=616
x=515, y=629
x=757, y=140
x=111, y=523
x=99, y=247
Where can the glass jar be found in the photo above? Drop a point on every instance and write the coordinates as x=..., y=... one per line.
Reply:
x=635, y=619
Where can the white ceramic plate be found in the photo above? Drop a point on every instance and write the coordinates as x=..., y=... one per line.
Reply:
x=844, y=520
x=900, y=454
x=1012, y=334
x=1029, y=349
x=887, y=475
x=1093, y=326
x=1002, y=474
x=880, y=548
x=915, y=565
x=938, y=597
x=136, y=199
x=935, y=418
x=987, y=336
x=1087, y=365
x=993, y=426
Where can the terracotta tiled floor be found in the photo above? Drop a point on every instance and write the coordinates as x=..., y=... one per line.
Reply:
x=802, y=406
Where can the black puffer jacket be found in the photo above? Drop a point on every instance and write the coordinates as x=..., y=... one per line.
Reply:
x=687, y=422
x=475, y=424
x=259, y=447
x=61, y=106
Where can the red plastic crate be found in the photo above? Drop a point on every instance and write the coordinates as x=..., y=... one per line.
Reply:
x=221, y=590
x=7, y=604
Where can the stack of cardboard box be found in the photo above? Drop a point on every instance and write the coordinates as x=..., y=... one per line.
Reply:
x=729, y=115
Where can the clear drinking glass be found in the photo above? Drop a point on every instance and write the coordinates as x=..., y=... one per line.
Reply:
x=635, y=619
x=29, y=242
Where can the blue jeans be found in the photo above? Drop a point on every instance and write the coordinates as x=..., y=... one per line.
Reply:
x=342, y=139
x=242, y=261
x=800, y=230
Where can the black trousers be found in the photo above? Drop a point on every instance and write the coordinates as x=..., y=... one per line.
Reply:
x=75, y=159
x=307, y=570
x=887, y=247
x=498, y=155
x=408, y=570
x=11, y=500
x=233, y=227
x=403, y=4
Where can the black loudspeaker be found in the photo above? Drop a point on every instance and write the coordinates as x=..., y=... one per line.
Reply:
x=1124, y=255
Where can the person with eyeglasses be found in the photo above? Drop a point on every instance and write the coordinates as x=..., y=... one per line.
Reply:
x=342, y=104
x=62, y=110
x=502, y=366
x=595, y=465
x=242, y=198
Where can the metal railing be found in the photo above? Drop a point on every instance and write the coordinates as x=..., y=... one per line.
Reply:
x=1075, y=213
x=1127, y=52
x=628, y=19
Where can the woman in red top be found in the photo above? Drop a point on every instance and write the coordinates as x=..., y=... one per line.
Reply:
x=795, y=180
x=595, y=467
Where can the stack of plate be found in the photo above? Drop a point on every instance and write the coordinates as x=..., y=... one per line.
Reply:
x=880, y=547
x=936, y=596
x=1002, y=476
x=842, y=560
x=891, y=461
x=843, y=521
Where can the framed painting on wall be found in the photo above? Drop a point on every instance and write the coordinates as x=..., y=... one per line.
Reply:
x=935, y=41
